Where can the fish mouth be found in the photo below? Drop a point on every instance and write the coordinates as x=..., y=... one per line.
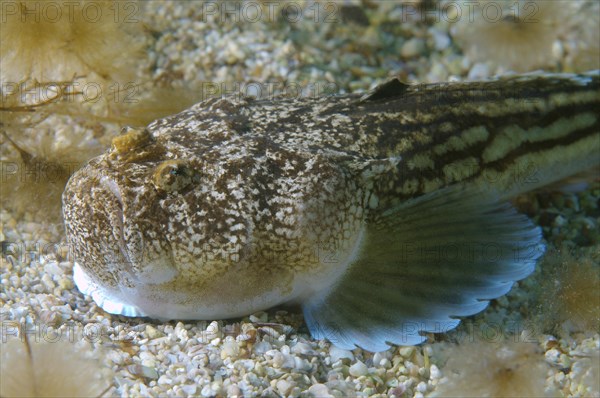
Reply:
x=116, y=218
x=132, y=261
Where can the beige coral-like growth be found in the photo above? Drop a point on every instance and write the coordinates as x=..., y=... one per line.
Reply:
x=569, y=293
x=492, y=369
x=56, y=41
x=48, y=368
x=583, y=42
x=515, y=35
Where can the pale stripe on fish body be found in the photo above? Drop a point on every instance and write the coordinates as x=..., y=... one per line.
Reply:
x=386, y=215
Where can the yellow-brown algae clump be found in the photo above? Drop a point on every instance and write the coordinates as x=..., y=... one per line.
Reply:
x=130, y=140
x=55, y=41
x=515, y=35
x=493, y=369
x=50, y=365
x=569, y=293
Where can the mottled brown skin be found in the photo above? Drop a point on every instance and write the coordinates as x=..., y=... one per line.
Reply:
x=237, y=199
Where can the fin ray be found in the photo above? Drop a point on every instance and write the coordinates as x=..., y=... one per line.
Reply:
x=407, y=280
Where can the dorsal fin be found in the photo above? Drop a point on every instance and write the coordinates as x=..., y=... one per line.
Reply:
x=387, y=90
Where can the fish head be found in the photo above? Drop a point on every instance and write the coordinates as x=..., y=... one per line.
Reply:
x=198, y=212
x=114, y=224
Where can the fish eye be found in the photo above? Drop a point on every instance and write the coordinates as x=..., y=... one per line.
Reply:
x=172, y=176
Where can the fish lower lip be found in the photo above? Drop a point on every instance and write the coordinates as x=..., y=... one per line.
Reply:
x=117, y=219
x=112, y=186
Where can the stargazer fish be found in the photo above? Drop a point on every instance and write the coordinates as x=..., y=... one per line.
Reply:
x=385, y=215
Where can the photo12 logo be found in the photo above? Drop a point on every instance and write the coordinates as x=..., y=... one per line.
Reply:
x=471, y=10
x=270, y=11
x=267, y=90
x=36, y=172
x=38, y=332
x=25, y=252
x=71, y=91
x=71, y=11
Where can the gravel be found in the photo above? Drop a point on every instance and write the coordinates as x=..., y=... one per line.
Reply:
x=271, y=353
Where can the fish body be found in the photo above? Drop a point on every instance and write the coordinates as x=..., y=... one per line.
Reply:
x=385, y=215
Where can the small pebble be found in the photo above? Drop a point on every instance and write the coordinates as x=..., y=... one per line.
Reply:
x=337, y=353
x=230, y=349
x=234, y=391
x=413, y=47
x=164, y=380
x=284, y=387
x=441, y=40
x=479, y=71
x=303, y=348
x=262, y=347
x=358, y=369
x=434, y=372
x=153, y=333
x=407, y=352
x=189, y=389
x=319, y=390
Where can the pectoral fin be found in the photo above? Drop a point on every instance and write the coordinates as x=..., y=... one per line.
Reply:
x=421, y=265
